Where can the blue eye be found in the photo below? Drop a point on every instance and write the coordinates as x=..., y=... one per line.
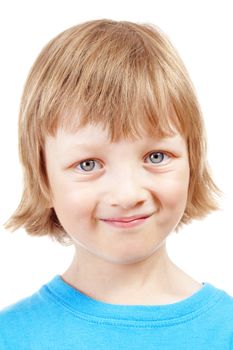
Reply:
x=158, y=157
x=88, y=165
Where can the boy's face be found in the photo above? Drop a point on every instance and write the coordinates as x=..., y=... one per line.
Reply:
x=103, y=180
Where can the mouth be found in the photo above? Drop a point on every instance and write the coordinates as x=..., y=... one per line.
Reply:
x=126, y=223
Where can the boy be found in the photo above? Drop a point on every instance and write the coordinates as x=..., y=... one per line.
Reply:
x=112, y=143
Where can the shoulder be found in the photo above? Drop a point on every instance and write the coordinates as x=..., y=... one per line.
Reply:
x=224, y=317
x=226, y=302
x=220, y=315
x=19, y=306
x=20, y=311
x=37, y=304
x=28, y=306
x=19, y=322
x=15, y=321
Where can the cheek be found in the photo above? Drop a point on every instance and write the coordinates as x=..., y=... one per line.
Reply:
x=73, y=205
x=174, y=191
x=173, y=200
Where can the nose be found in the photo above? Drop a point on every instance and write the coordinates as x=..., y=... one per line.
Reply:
x=127, y=191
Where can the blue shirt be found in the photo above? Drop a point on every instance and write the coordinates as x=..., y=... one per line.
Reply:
x=59, y=317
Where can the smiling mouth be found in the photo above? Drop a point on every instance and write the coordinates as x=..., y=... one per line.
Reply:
x=127, y=224
x=128, y=219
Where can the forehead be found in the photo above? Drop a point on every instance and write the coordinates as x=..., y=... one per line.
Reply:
x=96, y=136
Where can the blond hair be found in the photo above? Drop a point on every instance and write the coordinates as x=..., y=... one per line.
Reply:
x=126, y=76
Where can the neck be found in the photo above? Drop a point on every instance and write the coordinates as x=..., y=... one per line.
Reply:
x=154, y=280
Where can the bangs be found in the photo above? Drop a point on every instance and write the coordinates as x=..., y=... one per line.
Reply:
x=126, y=121
x=120, y=82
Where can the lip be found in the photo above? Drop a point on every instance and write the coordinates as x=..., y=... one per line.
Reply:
x=127, y=222
x=127, y=219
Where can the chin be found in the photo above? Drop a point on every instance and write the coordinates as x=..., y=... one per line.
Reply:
x=127, y=259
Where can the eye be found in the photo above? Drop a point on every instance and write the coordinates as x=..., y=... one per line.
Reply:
x=159, y=157
x=87, y=165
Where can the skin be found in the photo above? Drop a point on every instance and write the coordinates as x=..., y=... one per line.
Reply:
x=125, y=178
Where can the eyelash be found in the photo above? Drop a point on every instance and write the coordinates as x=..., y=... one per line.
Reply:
x=165, y=154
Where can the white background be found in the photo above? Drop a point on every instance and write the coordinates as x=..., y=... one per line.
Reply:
x=202, y=31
